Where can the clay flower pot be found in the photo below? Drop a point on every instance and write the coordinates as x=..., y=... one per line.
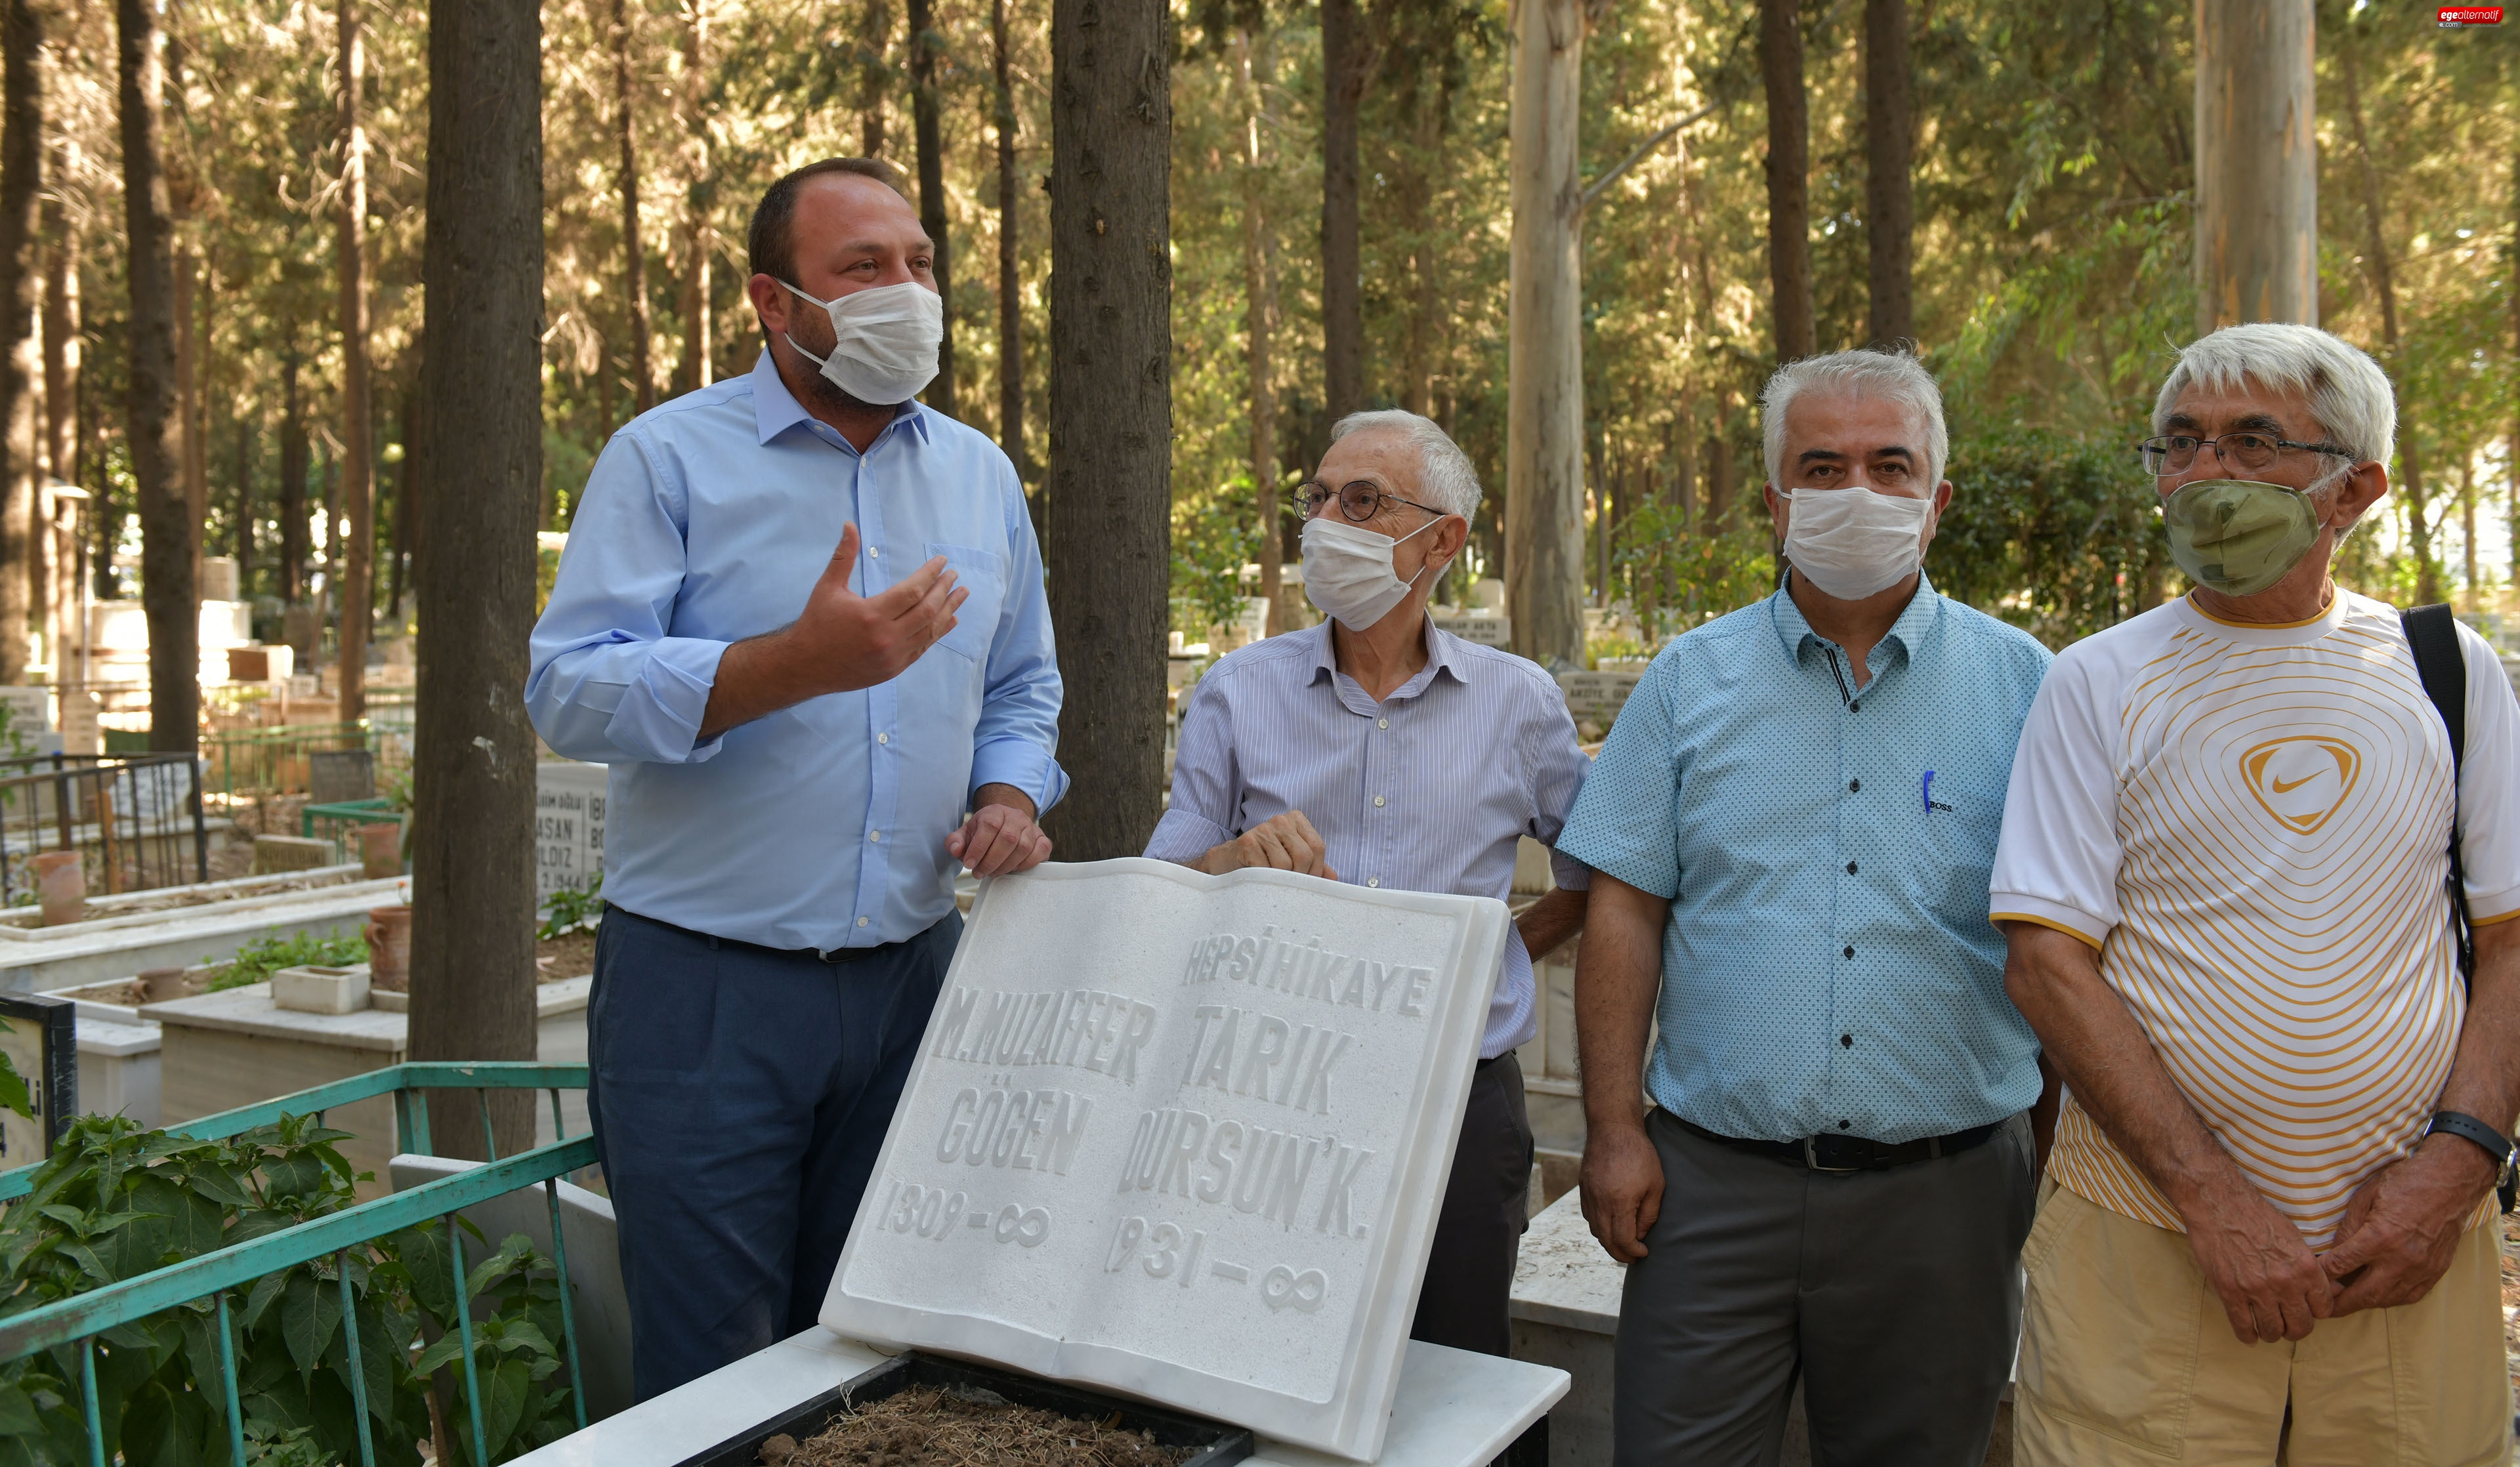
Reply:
x=159, y=985
x=389, y=948
x=379, y=850
x=61, y=883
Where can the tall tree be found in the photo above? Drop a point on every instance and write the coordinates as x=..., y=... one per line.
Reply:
x=293, y=481
x=634, y=258
x=1110, y=513
x=473, y=876
x=1543, y=485
x=53, y=582
x=1889, y=133
x=1011, y=392
x=1790, y=268
x=188, y=391
x=166, y=527
x=358, y=410
x=2256, y=163
x=1260, y=309
x=874, y=73
x=22, y=161
x=695, y=369
x=931, y=189
x=2384, y=284
x=1347, y=60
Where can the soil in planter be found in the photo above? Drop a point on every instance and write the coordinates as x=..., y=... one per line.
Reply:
x=559, y=957
x=956, y=1426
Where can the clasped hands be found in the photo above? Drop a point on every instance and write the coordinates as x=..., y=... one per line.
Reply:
x=2400, y=1231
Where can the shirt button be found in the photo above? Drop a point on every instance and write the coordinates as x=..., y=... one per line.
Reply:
x=1382, y=723
x=1377, y=802
x=862, y=922
x=875, y=836
x=1373, y=880
x=1850, y=867
x=1846, y=1041
x=1849, y=951
x=1855, y=705
x=1854, y=787
x=1843, y=1125
x=883, y=738
x=873, y=552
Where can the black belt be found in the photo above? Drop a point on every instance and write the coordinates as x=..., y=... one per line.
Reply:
x=832, y=956
x=1852, y=1153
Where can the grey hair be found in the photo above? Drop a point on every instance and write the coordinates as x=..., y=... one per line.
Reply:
x=1444, y=471
x=2349, y=395
x=1894, y=376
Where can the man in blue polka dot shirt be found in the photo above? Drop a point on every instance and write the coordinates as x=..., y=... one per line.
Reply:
x=1791, y=829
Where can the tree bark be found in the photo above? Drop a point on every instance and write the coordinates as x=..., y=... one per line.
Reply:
x=2256, y=163
x=473, y=878
x=293, y=483
x=1259, y=317
x=1890, y=210
x=634, y=258
x=1790, y=269
x=874, y=73
x=1110, y=414
x=167, y=527
x=58, y=595
x=243, y=501
x=1346, y=59
x=1543, y=528
x=2384, y=284
x=187, y=397
x=358, y=411
x=697, y=368
x=21, y=162
x=1010, y=389
x=931, y=190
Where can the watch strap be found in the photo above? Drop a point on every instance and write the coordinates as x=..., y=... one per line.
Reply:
x=2484, y=1138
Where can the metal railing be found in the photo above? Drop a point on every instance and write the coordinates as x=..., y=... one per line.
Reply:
x=249, y=766
x=77, y=1322
x=338, y=823
x=141, y=814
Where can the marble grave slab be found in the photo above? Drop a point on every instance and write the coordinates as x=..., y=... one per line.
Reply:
x=1182, y=1136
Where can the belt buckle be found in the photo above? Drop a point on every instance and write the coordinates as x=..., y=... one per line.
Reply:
x=1811, y=1155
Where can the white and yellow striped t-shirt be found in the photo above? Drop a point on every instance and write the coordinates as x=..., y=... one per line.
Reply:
x=2252, y=825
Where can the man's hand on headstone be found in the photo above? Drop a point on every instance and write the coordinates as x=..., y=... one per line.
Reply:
x=1001, y=837
x=844, y=641
x=1282, y=842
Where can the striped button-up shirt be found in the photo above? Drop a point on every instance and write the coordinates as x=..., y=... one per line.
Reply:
x=1430, y=790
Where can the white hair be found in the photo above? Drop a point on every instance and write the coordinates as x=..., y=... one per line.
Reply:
x=1444, y=471
x=1894, y=376
x=2349, y=394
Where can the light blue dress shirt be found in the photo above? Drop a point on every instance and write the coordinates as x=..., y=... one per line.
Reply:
x=823, y=826
x=1829, y=966
x=1430, y=790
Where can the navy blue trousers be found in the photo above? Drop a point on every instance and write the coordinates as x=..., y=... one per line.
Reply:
x=739, y=1096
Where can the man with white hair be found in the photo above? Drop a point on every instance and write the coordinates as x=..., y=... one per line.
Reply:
x=1790, y=832
x=1379, y=750
x=2222, y=876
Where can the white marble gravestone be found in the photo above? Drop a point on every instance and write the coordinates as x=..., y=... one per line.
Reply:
x=1182, y=1136
x=569, y=825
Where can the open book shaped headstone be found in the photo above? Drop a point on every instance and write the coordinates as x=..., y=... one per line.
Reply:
x=1183, y=1137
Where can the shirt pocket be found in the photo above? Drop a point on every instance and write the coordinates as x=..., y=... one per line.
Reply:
x=982, y=573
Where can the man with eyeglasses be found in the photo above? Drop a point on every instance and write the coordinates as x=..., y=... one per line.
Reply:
x=1790, y=832
x=1379, y=750
x=2267, y=1225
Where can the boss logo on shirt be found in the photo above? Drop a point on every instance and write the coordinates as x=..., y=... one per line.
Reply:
x=2302, y=779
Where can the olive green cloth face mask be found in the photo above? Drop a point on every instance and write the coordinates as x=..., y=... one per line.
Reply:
x=2238, y=536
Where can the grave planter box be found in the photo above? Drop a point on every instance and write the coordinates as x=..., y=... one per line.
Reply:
x=176, y=928
x=1217, y=1444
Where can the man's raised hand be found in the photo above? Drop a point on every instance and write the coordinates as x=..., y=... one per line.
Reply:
x=843, y=641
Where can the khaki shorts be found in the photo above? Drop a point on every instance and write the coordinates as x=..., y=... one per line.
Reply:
x=2128, y=1358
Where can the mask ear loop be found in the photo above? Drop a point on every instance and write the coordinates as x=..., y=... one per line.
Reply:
x=825, y=307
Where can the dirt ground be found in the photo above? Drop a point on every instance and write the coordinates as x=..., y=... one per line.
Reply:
x=925, y=1426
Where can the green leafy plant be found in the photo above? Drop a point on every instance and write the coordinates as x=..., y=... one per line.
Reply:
x=570, y=909
x=257, y=961
x=115, y=1202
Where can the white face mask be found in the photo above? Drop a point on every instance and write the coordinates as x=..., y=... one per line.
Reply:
x=1348, y=574
x=1853, y=543
x=886, y=338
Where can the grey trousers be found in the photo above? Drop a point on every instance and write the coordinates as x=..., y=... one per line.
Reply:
x=1894, y=1294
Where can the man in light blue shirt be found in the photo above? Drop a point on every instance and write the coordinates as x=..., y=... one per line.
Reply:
x=802, y=619
x=1790, y=830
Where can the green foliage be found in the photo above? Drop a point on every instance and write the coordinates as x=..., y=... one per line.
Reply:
x=257, y=961
x=115, y=1202
x=2048, y=531
x=572, y=908
x=1679, y=578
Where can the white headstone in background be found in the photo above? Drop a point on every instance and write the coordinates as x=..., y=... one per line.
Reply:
x=1182, y=1136
x=30, y=709
x=569, y=825
x=1481, y=627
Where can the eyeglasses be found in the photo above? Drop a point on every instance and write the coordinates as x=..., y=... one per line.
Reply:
x=1358, y=501
x=2174, y=453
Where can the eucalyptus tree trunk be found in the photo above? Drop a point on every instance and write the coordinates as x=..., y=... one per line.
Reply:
x=22, y=161
x=1109, y=509
x=358, y=411
x=696, y=369
x=2384, y=284
x=634, y=256
x=188, y=397
x=874, y=73
x=54, y=579
x=1346, y=58
x=1890, y=209
x=1010, y=392
x=1259, y=317
x=1790, y=269
x=931, y=190
x=2256, y=163
x=292, y=482
x=1544, y=522
x=167, y=527
x=472, y=875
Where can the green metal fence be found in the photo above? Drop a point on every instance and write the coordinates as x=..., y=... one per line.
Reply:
x=77, y=1322
x=339, y=822
x=253, y=764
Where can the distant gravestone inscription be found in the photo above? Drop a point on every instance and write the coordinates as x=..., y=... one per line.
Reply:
x=569, y=825
x=336, y=776
x=1182, y=1136
x=41, y=1044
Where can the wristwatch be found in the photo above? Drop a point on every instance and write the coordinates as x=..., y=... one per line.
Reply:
x=2487, y=1139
